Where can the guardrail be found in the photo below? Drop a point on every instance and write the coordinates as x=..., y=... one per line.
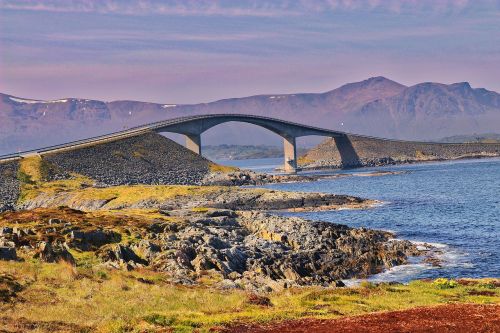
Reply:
x=137, y=130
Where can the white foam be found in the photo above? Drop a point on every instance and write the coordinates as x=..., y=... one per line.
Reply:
x=427, y=244
x=402, y=273
x=168, y=106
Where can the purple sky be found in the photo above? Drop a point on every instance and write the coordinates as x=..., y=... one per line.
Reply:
x=199, y=51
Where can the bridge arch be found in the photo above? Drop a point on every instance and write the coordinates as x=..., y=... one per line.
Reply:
x=193, y=127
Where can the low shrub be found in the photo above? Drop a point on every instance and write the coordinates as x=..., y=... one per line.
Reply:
x=159, y=320
x=443, y=283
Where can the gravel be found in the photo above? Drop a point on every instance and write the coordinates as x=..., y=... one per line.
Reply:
x=145, y=159
x=9, y=185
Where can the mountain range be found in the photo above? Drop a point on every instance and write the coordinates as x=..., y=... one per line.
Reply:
x=376, y=106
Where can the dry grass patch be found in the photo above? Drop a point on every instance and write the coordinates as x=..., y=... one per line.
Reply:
x=222, y=168
x=119, y=301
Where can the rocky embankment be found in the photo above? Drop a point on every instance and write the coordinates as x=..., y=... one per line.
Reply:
x=247, y=177
x=378, y=152
x=232, y=249
x=145, y=159
x=9, y=185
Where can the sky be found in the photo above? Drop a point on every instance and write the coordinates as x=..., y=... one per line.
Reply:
x=200, y=51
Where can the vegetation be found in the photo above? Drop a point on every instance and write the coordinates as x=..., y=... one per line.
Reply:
x=33, y=173
x=138, y=301
x=222, y=168
x=474, y=138
x=33, y=176
x=88, y=297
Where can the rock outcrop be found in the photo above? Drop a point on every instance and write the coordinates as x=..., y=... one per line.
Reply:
x=233, y=249
x=214, y=197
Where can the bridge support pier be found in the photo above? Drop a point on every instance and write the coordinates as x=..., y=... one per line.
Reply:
x=348, y=155
x=290, y=152
x=193, y=143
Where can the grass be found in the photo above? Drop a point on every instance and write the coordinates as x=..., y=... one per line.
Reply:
x=118, y=301
x=33, y=171
x=222, y=168
x=32, y=174
x=143, y=300
x=32, y=168
x=79, y=189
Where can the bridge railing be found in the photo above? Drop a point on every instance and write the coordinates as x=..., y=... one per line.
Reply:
x=136, y=130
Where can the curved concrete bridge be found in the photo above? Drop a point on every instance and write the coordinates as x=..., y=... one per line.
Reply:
x=193, y=126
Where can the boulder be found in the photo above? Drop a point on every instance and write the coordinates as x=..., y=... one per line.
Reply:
x=8, y=253
x=119, y=253
x=92, y=239
x=48, y=252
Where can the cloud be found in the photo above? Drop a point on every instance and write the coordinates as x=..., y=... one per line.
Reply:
x=147, y=7
x=235, y=8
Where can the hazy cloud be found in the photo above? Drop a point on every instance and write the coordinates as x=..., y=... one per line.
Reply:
x=193, y=51
x=241, y=8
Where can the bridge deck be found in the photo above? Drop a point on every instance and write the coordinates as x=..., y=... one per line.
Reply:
x=164, y=125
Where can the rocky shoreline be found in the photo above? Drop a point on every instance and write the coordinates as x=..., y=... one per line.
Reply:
x=247, y=177
x=189, y=197
x=128, y=206
x=232, y=249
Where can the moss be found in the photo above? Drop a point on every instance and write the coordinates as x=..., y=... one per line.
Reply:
x=24, y=178
x=85, y=259
x=159, y=320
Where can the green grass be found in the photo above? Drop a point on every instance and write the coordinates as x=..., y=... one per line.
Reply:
x=222, y=168
x=117, y=301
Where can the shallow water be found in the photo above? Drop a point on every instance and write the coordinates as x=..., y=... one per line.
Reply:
x=453, y=204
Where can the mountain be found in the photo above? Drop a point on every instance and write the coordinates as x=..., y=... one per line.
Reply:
x=431, y=110
x=376, y=106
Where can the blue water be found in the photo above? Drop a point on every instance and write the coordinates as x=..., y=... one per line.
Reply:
x=267, y=165
x=455, y=205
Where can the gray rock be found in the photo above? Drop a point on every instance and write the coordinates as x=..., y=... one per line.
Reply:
x=48, y=252
x=119, y=253
x=8, y=253
x=92, y=239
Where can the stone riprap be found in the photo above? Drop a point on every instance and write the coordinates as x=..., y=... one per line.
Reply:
x=145, y=159
x=9, y=185
x=374, y=152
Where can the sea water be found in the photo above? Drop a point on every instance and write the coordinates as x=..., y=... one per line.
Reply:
x=453, y=205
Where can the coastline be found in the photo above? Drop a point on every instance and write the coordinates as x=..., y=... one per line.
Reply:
x=199, y=227
x=385, y=162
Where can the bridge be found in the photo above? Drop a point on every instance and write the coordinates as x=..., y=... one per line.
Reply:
x=193, y=126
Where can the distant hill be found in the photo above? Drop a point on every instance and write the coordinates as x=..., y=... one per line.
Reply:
x=244, y=152
x=376, y=106
x=482, y=138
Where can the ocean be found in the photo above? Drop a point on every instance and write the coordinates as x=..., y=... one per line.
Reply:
x=454, y=205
